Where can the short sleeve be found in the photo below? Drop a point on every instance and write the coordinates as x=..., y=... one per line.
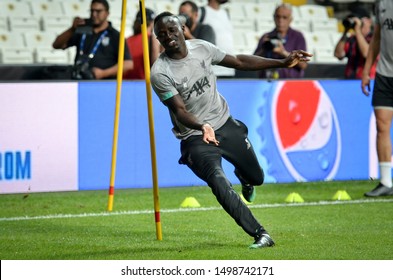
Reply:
x=163, y=86
x=217, y=55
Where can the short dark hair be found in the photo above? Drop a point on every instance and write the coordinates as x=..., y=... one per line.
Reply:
x=194, y=6
x=103, y=2
x=150, y=15
x=162, y=15
x=360, y=12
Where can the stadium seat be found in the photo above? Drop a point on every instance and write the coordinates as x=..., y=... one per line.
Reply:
x=74, y=8
x=296, y=13
x=116, y=23
x=133, y=9
x=15, y=8
x=12, y=40
x=248, y=1
x=252, y=39
x=335, y=37
x=56, y=24
x=4, y=24
x=275, y=2
x=325, y=55
x=260, y=11
x=45, y=8
x=318, y=40
x=236, y=10
x=16, y=56
x=330, y=24
x=24, y=24
x=243, y=24
x=50, y=55
x=265, y=25
x=116, y=8
x=240, y=43
x=312, y=12
x=39, y=39
x=301, y=25
x=71, y=54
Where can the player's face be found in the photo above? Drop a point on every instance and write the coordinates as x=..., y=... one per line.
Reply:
x=169, y=32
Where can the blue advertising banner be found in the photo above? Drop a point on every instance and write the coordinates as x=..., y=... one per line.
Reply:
x=301, y=131
x=59, y=136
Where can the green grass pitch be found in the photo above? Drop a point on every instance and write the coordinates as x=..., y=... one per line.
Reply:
x=76, y=225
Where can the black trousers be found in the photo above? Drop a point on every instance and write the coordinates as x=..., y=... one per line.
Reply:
x=205, y=161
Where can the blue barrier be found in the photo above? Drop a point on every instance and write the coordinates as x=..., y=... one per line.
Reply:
x=301, y=130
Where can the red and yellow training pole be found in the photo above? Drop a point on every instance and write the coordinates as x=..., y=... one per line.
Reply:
x=146, y=63
x=120, y=63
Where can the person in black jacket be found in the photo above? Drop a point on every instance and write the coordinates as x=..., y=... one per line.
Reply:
x=97, y=44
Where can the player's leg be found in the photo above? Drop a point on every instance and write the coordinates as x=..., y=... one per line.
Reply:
x=238, y=150
x=383, y=110
x=205, y=161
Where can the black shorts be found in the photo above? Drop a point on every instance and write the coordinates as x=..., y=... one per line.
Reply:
x=203, y=159
x=383, y=91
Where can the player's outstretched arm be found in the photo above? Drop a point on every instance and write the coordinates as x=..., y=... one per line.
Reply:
x=253, y=63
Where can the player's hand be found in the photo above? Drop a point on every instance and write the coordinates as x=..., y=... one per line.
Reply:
x=366, y=83
x=297, y=56
x=208, y=134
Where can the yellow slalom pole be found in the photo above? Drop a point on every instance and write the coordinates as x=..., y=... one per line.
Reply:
x=120, y=63
x=146, y=63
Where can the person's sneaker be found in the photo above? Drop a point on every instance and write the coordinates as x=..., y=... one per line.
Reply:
x=380, y=190
x=248, y=192
x=262, y=241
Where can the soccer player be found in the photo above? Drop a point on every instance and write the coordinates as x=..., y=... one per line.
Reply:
x=183, y=79
x=382, y=100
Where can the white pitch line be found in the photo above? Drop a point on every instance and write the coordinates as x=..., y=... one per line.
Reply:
x=141, y=212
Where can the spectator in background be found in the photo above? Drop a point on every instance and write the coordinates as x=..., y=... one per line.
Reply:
x=382, y=99
x=218, y=19
x=193, y=28
x=135, y=46
x=97, y=44
x=279, y=42
x=355, y=47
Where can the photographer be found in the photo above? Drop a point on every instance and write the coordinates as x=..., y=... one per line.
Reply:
x=193, y=29
x=97, y=44
x=279, y=43
x=355, y=46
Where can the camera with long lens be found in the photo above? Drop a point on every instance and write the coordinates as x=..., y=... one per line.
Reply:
x=273, y=42
x=349, y=23
x=186, y=20
x=82, y=71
